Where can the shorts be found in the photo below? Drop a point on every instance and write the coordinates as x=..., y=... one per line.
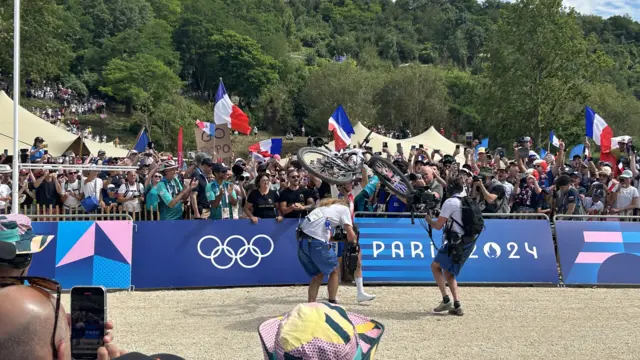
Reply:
x=338, y=247
x=445, y=261
x=316, y=257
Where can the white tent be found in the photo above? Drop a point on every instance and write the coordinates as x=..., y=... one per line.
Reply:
x=430, y=139
x=58, y=139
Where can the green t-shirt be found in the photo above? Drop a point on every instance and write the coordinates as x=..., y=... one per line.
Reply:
x=213, y=190
x=167, y=190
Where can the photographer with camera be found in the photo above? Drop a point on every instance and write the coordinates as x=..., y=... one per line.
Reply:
x=489, y=193
x=314, y=250
x=462, y=221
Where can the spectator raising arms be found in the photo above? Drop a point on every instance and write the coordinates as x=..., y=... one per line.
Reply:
x=131, y=195
x=171, y=192
x=261, y=202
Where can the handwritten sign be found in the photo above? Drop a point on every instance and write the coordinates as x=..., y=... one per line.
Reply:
x=220, y=147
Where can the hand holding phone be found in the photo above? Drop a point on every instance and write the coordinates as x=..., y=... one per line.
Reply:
x=88, y=314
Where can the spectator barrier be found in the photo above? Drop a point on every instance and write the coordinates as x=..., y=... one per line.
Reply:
x=193, y=253
x=514, y=251
x=604, y=250
x=97, y=251
x=36, y=212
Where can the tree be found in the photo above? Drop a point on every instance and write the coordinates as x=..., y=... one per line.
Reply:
x=539, y=62
x=334, y=84
x=413, y=98
x=141, y=82
x=242, y=64
x=45, y=44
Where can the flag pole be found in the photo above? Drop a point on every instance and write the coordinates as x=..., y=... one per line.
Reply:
x=15, y=201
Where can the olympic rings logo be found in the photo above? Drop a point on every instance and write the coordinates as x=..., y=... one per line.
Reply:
x=228, y=251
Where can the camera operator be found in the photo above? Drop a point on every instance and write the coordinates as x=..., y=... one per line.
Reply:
x=314, y=250
x=449, y=260
x=489, y=193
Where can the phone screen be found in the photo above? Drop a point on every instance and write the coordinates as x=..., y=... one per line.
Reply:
x=88, y=312
x=6, y=152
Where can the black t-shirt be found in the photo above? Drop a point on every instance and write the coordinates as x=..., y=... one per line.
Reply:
x=324, y=190
x=264, y=206
x=295, y=196
x=201, y=197
x=28, y=200
x=46, y=193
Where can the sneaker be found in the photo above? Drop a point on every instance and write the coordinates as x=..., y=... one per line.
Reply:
x=365, y=297
x=442, y=307
x=456, y=311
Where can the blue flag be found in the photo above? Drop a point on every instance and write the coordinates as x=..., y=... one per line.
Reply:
x=577, y=150
x=543, y=153
x=143, y=140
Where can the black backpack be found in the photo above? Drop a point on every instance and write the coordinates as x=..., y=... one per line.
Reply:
x=472, y=221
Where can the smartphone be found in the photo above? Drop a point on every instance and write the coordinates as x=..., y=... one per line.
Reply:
x=458, y=147
x=413, y=147
x=399, y=148
x=421, y=146
x=6, y=152
x=385, y=145
x=88, y=316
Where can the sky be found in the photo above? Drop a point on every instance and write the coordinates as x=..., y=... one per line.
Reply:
x=607, y=8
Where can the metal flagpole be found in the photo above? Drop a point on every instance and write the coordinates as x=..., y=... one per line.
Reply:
x=15, y=201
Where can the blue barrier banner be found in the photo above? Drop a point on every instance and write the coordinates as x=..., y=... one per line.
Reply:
x=85, y=253
x=195, y=253
x=508, y=251
x=599, y=252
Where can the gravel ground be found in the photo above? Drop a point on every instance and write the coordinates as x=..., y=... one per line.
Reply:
x=500, y=323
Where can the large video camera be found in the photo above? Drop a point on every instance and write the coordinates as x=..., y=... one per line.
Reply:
x=423, y=201
x=340, y=234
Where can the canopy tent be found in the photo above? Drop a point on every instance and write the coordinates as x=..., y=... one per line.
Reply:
x=58, y=139
x=431, y=139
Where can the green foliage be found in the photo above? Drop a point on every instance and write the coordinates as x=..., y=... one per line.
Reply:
x=501, y=69
x=142, y=81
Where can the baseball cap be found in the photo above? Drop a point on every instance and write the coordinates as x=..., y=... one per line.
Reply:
x=207, y=162
x=482, y=150
x=139, y=356
x=17, y=237
x=627, y=174
x=219, y=168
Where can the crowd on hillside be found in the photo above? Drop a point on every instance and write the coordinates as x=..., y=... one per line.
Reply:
x=203, y=188
x=69, y=105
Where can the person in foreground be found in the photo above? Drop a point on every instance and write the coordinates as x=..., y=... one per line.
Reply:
x=33, y=323
x=320, y=331
x=314, y=250
x=450, y=258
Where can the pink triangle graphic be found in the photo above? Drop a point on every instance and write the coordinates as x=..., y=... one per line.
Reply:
x=121, y=235
x=83, y=248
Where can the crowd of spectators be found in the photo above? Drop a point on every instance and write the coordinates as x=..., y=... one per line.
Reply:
x=68, y=106
x=273, y=189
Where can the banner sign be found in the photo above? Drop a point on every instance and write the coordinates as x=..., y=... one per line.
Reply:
x=85, y=253
x=508, y=251
x=195, y=253
x=218, y=148
x=599, y=252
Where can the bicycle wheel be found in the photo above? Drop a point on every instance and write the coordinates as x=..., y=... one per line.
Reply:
x=325, y=166
x=391, y=176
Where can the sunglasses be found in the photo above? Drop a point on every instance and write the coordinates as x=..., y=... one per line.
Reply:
x=295, y=177
x=157, y=177
x=48, y=285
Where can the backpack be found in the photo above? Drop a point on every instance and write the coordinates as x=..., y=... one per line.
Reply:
x=472, y=221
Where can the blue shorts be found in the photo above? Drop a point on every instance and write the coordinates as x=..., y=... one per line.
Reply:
x=316, y=257
x=338, y=247
x=445, y=261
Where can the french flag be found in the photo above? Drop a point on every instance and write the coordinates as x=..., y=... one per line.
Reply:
x=207, y=127
x=601, y=133
x=226, y=113
x=553, y=140
x=341, y=128
x=267, y=148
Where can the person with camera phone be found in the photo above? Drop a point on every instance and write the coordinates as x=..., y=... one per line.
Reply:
x=462, y=221
x=330, y=221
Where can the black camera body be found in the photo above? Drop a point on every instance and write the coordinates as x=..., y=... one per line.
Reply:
x=340, y=234
x=423, y=200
